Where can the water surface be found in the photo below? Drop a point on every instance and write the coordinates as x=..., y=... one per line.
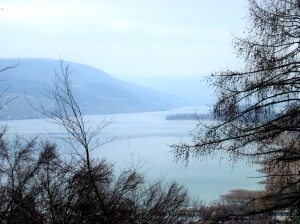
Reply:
x=147, y=136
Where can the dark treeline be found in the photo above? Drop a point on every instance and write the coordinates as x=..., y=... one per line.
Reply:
x=271, y=114
x=189, y=116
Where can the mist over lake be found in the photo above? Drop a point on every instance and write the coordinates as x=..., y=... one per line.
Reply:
x=147, y=136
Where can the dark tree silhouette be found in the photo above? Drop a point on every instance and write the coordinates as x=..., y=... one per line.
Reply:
x=258, y=107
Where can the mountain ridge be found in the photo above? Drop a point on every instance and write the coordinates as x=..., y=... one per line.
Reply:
x=96, y=91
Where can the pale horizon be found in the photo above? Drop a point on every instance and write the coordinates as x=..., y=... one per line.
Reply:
x=125, y=38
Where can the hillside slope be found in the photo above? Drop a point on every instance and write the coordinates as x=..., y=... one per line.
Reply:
x=95, y=91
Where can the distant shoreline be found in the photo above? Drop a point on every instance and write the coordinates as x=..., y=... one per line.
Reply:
x=208, y=116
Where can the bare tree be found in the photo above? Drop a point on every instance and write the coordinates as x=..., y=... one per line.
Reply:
x=101, y=196
x=258, y=107
x=67, y=114
x=21, y=160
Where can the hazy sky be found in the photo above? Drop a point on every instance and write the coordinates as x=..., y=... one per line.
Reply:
x=125, y=37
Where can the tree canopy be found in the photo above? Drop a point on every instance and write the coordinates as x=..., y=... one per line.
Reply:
x=258, y=106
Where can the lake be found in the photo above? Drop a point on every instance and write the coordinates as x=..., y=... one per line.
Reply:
x=147, y=136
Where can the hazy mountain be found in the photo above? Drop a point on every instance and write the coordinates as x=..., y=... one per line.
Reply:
x=95, y=91
x=192, y=88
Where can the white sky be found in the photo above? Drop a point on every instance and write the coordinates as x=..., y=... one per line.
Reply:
x=125, y=37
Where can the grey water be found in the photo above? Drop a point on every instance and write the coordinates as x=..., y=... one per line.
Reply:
x=146, y=138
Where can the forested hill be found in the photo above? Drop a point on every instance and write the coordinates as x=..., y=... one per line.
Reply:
x=95, y=91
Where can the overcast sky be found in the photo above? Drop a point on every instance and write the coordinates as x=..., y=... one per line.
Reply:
x=125, y=37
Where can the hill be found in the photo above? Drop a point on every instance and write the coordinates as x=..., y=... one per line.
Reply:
x=95, y=91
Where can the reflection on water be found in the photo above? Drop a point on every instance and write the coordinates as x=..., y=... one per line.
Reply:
x=148, y=136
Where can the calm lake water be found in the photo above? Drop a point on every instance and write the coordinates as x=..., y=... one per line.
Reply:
x=147, y=136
